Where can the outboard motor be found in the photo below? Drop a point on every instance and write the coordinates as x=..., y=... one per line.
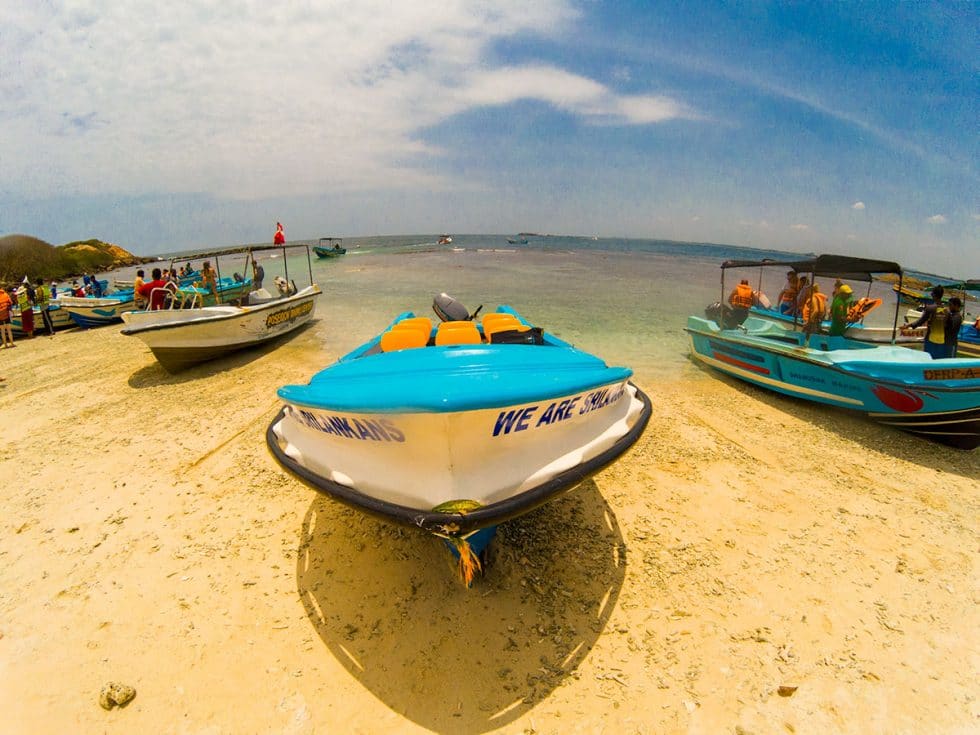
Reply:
x=449, y=309
x=725, y=316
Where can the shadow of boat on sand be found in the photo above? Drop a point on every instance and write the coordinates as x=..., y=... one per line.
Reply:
x=388, y=605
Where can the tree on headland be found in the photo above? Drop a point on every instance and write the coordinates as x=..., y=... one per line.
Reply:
x=23, y=255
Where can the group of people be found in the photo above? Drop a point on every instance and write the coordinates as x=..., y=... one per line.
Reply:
x=942, y=323
x=801, y=298
x=26, y=297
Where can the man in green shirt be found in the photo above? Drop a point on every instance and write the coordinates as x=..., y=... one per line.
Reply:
x=838, y=316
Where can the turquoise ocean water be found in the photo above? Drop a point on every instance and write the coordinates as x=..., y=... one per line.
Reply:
x=624, y=300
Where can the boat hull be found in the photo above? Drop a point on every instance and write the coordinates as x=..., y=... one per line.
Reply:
x=182, y=338
x=329, y=252
x=59, y=320
x=508, y=459
x=96, y=312
x=939, y=400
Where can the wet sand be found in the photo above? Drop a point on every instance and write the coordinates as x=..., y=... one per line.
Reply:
x=755, y=564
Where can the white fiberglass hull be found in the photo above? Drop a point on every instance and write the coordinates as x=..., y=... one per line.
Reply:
x=491, y=455
x=180, y=338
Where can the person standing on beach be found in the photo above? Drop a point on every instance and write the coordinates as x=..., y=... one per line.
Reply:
x=42, y=301
x=954, y=320
x=280, y=237
x=6, y=303
x=934, y=316
x=26, y=306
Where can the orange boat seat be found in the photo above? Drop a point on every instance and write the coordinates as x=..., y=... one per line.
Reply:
x=415, y=322
x=458, y=333
x=404, y=339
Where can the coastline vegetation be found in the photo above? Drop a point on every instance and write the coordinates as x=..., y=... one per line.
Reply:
x=23, y=255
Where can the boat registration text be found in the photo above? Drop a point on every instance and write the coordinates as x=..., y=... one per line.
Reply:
x=287, y=315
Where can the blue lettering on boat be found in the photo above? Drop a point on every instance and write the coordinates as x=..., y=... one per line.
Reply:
x=383, y=430
x=519, y=419
x=514, y=420
x=807, y=378
x=600, y=399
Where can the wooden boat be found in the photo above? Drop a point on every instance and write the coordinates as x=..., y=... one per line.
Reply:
x=329, y=247
x=906, y=389
x=456, y=428
x=187, y=334
x=444, y=240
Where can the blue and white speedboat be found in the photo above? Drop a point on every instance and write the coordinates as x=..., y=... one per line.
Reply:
x=899, y=387
x=460, y=426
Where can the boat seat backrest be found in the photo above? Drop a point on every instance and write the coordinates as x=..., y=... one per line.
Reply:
x=494, y=318
x=415, y=322
x=458, y=333
x=404, y=339
x=501, y=326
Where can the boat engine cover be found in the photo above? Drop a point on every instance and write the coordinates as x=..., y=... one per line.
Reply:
x=449, y=309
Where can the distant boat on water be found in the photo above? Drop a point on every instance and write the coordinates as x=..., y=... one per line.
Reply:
x=329, y=247
x=445, y=239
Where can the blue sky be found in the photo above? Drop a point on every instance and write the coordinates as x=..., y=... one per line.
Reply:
x=826, y=127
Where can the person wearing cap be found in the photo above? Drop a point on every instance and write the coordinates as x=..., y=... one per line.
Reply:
x=838, y=315
x=934, y=317
x=26, y=304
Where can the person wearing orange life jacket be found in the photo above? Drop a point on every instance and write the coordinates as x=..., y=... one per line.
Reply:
x=786, y=301
x=741, y=299
x=741, y=296
x=813, y=312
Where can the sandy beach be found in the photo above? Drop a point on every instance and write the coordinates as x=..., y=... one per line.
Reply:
x=753, y=565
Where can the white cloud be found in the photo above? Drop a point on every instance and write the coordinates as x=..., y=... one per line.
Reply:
x=800, y=228
x=857, y=205
x=267, y=100
x=936, y=219
x=569, y=92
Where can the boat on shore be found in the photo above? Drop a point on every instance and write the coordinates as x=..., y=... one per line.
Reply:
x=329, y=247
x=895, y=386
x=456, y=428
x=59, y=319
x=187, y=333
x=90, y=311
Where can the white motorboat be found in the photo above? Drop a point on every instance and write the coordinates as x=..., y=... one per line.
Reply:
x=182, y=337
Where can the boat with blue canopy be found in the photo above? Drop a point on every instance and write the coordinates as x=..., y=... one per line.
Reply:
x=895, y=386
x=457, y=426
